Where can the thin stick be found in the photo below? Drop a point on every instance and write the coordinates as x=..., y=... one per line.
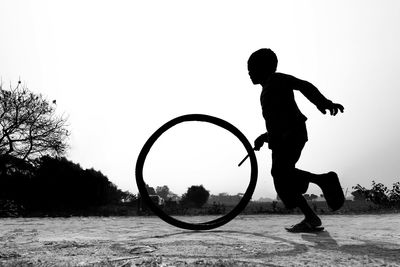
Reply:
x=243, y=160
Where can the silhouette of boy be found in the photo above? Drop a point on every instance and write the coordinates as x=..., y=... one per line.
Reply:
x=287, y=134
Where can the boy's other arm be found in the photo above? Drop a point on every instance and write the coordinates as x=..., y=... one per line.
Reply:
x=315, y=96
x=259, y=142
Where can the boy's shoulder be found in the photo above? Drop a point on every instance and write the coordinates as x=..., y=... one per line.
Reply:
x=283, y=78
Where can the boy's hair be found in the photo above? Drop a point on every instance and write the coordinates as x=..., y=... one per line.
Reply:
x=264, y=59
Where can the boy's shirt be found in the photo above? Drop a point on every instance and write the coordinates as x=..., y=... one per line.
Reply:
x=283, y=118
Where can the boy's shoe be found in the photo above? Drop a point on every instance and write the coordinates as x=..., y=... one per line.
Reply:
x=304, y=227
x=332, y=191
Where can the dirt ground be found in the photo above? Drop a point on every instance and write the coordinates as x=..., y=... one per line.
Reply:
x=349, y=240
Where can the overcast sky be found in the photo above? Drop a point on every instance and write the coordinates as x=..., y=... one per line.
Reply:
x=121, y=69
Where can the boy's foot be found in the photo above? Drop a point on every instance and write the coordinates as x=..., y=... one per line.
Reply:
x=314, y=221
x=332, y=191
x=304, y=227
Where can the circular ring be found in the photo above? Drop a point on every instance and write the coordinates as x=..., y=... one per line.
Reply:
x=210, y=224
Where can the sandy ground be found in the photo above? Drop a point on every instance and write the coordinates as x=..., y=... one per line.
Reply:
x=362, y=240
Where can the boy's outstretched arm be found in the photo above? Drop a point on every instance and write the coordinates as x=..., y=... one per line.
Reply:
x=315, y=96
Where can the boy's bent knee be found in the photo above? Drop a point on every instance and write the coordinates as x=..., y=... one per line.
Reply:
x=289, y=202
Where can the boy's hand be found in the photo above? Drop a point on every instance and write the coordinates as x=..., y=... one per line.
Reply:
x=333, y=108
x=259, y=142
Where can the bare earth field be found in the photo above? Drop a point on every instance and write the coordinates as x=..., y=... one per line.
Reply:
x=259, y=240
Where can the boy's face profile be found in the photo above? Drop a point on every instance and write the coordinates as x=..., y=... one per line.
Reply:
x=257, y=74
x=261, y=65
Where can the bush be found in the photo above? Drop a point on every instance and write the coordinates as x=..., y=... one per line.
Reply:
x=196, y=196
x=379, y=194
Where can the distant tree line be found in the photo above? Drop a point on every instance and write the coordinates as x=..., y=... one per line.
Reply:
x=225, y=199
x=57, y=185
x=198, y=196
x=195, y=197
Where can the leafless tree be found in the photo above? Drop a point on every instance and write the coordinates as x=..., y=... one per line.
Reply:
x=29, y=126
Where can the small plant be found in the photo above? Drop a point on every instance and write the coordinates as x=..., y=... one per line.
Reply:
x=379, y=194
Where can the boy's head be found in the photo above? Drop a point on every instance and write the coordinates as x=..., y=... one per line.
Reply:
x=261, y=64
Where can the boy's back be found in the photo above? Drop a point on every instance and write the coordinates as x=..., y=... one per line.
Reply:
x=282, y=116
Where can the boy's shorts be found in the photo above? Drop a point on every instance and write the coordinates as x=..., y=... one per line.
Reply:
x=289, y=182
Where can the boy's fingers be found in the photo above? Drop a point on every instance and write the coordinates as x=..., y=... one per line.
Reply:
x=340, y=107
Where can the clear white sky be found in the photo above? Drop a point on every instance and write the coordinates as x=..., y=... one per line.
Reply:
x=121, y=69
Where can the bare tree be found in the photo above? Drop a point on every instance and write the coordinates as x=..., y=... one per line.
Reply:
x=29, y=126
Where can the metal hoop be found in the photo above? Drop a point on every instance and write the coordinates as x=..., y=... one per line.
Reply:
x=210, y=224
